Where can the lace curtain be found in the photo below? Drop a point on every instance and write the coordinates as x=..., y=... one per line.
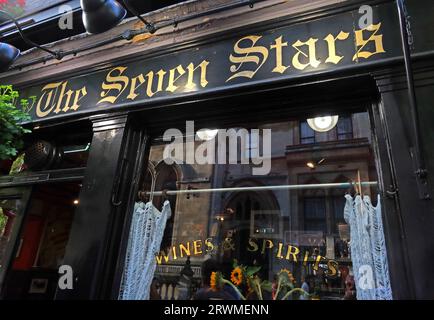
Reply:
x=368, y=248
x=146, y=233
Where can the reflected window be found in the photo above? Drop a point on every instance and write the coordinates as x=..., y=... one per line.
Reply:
x=344, y=128
x=224, y=212
x=315, y=214
x=307, y=134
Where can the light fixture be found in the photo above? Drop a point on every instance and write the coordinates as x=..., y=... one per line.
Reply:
x=76, y=201
x=101, y=15
x=207, y=134
x=311, y=165
x=323, y=124
x=8, y=53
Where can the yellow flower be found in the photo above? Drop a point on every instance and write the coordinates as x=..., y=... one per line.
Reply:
x=213, y=281
x=237, y=276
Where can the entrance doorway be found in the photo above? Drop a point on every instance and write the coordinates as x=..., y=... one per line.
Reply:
x=38, y=245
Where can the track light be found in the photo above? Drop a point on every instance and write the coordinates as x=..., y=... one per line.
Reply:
x=101, y=15
x=8, y=53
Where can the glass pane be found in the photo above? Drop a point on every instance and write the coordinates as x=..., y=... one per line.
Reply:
x=345, y=128
x=41, y=242
x=307, y=135
x=9, y=209
x=284, y=215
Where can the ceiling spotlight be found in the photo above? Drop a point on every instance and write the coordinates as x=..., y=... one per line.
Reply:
x=207, y=134
x=101, y=15
x=323, y=124
x=8, y=55
x=76, y=201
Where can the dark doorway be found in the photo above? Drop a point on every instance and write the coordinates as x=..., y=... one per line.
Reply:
x=40, y=246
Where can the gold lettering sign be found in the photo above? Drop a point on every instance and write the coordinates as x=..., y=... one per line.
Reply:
x=331, y=43
x=248, y=59
x=251, y=54
x=56, y=98
x=271, y=55
x=373, y=37
x=114, y=85
x=280, y=250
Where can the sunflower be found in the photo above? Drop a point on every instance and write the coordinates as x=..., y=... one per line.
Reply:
x=213, y=281
x=216, y=280
x=289, y=273
x=237, y=276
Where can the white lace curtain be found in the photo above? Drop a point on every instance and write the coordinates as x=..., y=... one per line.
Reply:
x=146, y=234
x=368, y=248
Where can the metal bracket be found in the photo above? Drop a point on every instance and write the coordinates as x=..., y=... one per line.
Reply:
x=421, y=177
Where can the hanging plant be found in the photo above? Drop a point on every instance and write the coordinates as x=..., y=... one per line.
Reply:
x=11, y=117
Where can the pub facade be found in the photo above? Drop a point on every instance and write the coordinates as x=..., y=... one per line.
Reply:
x=271, y=137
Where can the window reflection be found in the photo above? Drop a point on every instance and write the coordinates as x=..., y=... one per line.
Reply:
x=275, y=229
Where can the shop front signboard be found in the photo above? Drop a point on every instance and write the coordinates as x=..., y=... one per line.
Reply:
x=283, y=53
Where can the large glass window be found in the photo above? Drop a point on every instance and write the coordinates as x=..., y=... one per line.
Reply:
x=277, y=216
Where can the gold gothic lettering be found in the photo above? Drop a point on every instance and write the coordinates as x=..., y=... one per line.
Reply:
x=252, y=54
x=117, y=83
x=249, y=56
x=331, y=43
x=56, y=98
x=361, y=43
x=278, y=45
x=311, y=55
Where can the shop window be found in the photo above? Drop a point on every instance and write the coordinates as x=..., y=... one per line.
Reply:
x=226, y=214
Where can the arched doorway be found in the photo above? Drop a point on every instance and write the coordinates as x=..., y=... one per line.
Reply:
x=250, y=215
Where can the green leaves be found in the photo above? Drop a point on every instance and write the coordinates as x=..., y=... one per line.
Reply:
x=11, y=117
x=285, y=280
x=250, y=271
